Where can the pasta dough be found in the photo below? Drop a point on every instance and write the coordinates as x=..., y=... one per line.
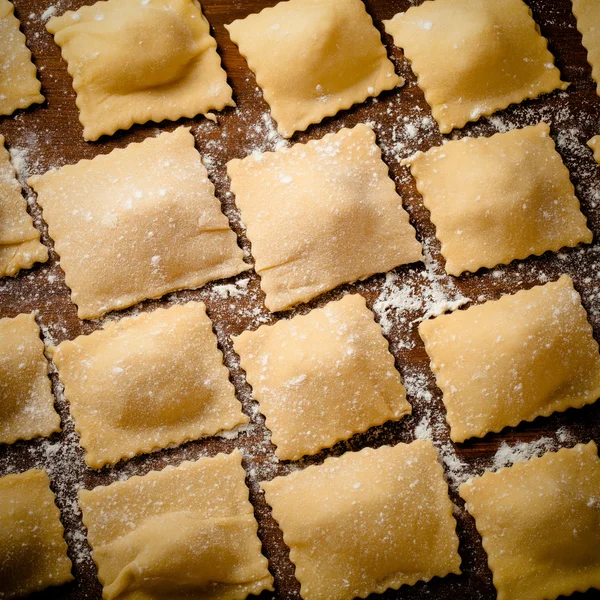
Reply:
x=19, y=85
x=513, y=359
x=146, y=382
x=183, y=532
x=33, y=553
x=494, y=200
x=322, y=377
x=540, y=524
x=594, y=144
x=367, y=521
x=134, y=61
x=26, y=401
x=321, y=214
x=587, y=13
x=20, y=245
x=474, y=57
x=313, y=58
x=137, y=223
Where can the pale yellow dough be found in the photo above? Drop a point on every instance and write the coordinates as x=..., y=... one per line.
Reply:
x=321, y=214
x=540, y=524
x=19, y=85
x=494, y=200
x=183, y=532
x=367, y=521
x=33, y=553
x=474, y=57
x=594, y=144
x=26, y=401
x=145, y=382
x=137, y=223
x=313, y=58
x=20, y=245
x=587, y=13
x=322, y=377
x=134, y=61
x=526, y=355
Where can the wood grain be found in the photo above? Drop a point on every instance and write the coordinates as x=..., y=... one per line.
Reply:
x=50, y=135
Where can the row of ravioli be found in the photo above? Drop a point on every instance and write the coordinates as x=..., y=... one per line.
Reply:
x=317, y=215
x=138, y=60
x=355, y=525
x=156, y=379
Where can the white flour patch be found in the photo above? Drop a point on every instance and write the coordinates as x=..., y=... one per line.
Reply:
x=411, y=302
x=506, y=456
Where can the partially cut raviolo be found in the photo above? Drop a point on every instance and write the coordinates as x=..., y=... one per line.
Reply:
x=26, y=401
x=367, y=521
x=146, y=382
x=321, y=214
x=587, y=13
x=183, y=532
x=134, y=61
x=19, y=85
x=540, y=524
x=20, y=245
x=313, y=58
x=474, y=57
x=33, y=553
x=322, y=377
x=494, y=200
x=513, y=359
x=137, y=223
x=594, y=144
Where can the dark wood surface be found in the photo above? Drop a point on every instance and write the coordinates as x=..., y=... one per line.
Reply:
x=50, y=135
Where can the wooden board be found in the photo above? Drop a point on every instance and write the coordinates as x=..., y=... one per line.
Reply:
x=50, y=135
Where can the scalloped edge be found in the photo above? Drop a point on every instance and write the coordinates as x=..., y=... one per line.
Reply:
x=515, y=98
x=91, y=133
x=57, y=517
x=303, y=124
x=348, y=433
x=348, y=456
x=519, y=467
x=39, y=252
x=49, y=428
x=426, y=197
x=97, y=460
x=402, y=220
x=131, y=300
x=33, y=98
x=441, y=384
x=153, y=475
x=587, y=42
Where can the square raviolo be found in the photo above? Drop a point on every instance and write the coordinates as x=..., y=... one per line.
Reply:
x=19, y=85
x=367, y=521
x=540, y=524
x=474, y=57
x=134, y=61
x=33, y=552
x=587, y=13
x=313, y=58
x=322, y=377
x=183, y=532
x=20, y=245
x=137, y=223
x=146, y=382
x=321, y=214
x=26, y=401
x=514, y=359
x=497, y=199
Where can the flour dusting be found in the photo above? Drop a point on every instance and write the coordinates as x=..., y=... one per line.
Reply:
x=410, y=302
